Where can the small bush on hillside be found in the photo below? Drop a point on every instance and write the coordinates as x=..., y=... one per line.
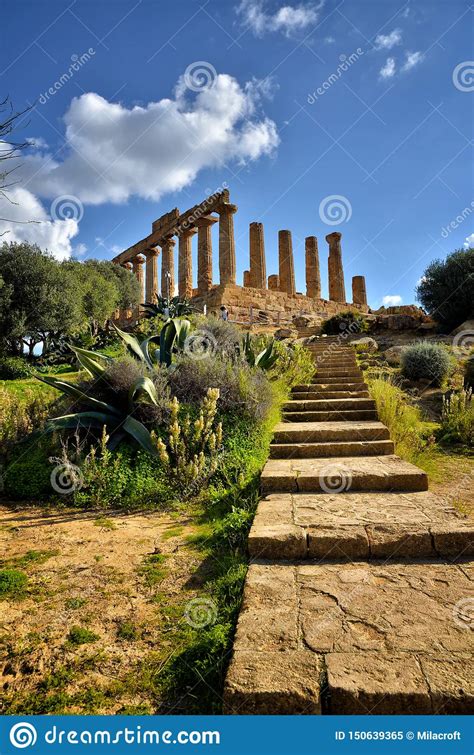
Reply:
x=425, y=361
x=457, y=418
x=17, y=420
x=241, y=389
x=12, y=583
x=28, y=474
x=14, y=368
x=345, y=324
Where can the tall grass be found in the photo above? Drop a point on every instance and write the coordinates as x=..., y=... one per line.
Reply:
x=403, y=419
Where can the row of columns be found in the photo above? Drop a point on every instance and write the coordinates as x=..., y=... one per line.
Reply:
x=256, y=277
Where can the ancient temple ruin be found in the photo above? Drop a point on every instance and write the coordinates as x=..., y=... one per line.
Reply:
x=272, y=299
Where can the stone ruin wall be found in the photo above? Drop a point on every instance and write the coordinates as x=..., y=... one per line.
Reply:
x=272, y=299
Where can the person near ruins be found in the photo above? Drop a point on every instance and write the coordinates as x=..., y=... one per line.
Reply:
x=224, y=313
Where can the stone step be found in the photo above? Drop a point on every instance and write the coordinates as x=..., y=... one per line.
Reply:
x=327, y=449
x=310, y=395
x=325, y=416
x=330, y=380
x=358, y=638
x=338, y=475
x=356, y=386
x=358, y=526
x=329, y=404
x=338, y=372
x=314, y=432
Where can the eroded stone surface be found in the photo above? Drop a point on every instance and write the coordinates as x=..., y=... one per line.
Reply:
x=273, y=683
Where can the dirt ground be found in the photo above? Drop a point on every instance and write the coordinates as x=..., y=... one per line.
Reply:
x=122, y=578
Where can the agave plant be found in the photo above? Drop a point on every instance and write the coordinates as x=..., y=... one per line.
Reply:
x=172, y=338
x=119, y=420
x=174, y=307
x=265, y=360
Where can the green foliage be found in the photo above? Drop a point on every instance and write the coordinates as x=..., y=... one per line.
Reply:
x=294, y=365
x=345, y=323
x=190, y=452
x=14, y=368
x=18, y=418
x=446, y=289
x=469, y=373
x=28, y=474
x=152, y=569
x=12, y=583
x=457, y=418
x=174, y=307
x=123, y=280
x=231, y=533
x=427, y=361
x=402, y=419
x=128, y=631
x=81, y=636
x=264, y=360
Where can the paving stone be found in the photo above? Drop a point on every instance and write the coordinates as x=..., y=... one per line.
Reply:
x=376, y=683
x=330, y=449
x=338, y=543
x=273, y=683
x=451, y=683
x=306, y=432
x=278, y=541
x=391, y=541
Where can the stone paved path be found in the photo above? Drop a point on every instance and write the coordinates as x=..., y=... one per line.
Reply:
x=360, y=594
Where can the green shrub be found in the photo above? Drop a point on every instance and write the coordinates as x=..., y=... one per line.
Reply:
x=469, y=373
x=19, y=418
x=345, y=324
x=231, y=532
x=12, y=583
x=425, y=361
x=402, y=419
x=28, y=475
x=295, y=364
x=80, y=636
x=457, y=418
x=15, y=368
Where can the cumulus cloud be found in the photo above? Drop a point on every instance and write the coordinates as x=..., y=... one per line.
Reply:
x=412, y=59
x=23, y=218
x=392, y=301
x=287, y=19
x=387, y=41
x=114, y=152
x=388, y=70
x=469, y=243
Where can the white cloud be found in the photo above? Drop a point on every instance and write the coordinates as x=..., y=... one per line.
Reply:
x=330, y=40
x=412, y=59
x=387, y=41
x=287, y=19
x=79, y=250
x=24, y=218
x=389, y=69
x=469, y=241
x=392, y=300
x=113, y=152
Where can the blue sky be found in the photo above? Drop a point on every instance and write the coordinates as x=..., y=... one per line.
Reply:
x=358, y=112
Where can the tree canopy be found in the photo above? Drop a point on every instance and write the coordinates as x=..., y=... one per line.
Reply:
x=42, y=299
x=446, y=289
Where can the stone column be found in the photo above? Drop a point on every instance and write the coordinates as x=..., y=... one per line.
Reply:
x=151, y=274
x=337, y=291
x=359, y=294
x=204, y=277
x=313, y=277
x=258, y=270
x=247, y=279
x=167, y=267
x=138, y=263
x=274, y=282
x=185, y=264
x=127, y=313
x=226, y=243
x=285, y=259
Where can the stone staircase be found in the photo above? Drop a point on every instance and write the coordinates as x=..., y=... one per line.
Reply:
x=360, y=594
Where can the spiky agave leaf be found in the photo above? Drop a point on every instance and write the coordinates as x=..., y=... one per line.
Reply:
x=90, y=361
x=72, y=390
x=133, y=345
